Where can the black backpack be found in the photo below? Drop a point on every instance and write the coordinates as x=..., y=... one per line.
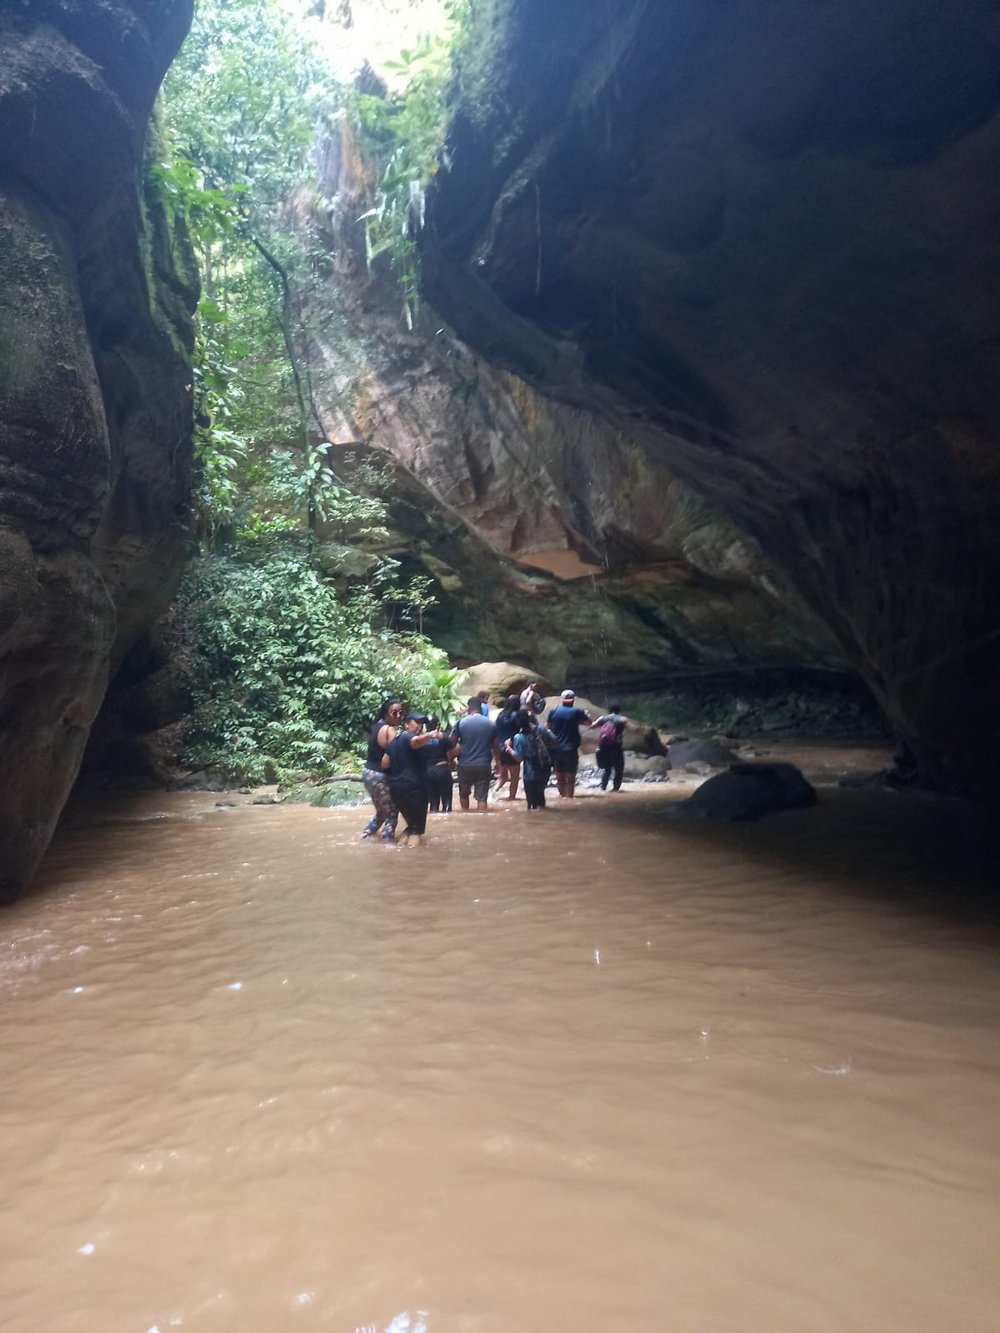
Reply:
x=543, y=755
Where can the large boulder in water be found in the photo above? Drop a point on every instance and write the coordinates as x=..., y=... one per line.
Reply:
x=642, y=740
x=499, y=679
x=747, y=791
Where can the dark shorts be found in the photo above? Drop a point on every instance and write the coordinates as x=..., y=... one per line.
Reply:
x=439, y=780
x=566, y=761
x=474, y=778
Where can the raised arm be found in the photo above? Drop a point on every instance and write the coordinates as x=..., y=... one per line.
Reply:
x=421, y=739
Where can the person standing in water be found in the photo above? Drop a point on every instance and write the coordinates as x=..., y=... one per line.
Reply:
x=610, y=755
x=404, y=762
x=440, y=781
x=508, y=762
x=565, y=721
x=384, y=730
x=475, y=738
x=532, y=743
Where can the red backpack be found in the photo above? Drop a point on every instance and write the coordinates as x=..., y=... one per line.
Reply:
x=608, y=734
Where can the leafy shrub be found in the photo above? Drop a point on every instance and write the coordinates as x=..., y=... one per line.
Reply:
x=286, y=677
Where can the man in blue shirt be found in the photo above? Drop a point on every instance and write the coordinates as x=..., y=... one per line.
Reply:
x=565, y=721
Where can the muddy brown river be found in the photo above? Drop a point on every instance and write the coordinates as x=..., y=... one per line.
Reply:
x=585, y=1070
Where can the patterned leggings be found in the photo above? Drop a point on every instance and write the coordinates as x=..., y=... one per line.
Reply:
x=386, y=814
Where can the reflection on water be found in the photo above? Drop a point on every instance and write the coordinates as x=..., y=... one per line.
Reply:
x=589, y=1070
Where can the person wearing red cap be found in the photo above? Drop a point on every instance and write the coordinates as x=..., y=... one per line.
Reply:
x=565, y=721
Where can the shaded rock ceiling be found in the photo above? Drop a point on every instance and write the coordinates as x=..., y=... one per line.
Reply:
x=763, y=241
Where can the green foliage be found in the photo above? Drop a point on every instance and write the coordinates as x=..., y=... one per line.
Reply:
x=210, y=213
x=307, y=487
x=240, y=108
x=242, y=98
x=287, y=670
x=286, y=676
x=404, y=134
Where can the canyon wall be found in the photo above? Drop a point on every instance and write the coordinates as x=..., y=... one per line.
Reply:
x=762, y=242
x=96, y=292
x=553, y=537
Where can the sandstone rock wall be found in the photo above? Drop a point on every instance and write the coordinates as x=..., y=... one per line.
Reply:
x=95, y=401
x=553, y=536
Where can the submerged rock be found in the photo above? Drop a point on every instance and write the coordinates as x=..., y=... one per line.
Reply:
x=747, y=791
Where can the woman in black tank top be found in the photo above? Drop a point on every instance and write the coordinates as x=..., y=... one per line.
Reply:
x=384, y=730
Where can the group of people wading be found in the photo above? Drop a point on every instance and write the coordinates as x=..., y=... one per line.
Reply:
x=412, y=760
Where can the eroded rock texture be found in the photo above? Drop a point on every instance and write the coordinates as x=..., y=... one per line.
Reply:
x=95, y=403
x=763, y=241
x=552, y=536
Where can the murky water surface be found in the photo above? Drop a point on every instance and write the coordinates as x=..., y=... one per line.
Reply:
x=584, y=1070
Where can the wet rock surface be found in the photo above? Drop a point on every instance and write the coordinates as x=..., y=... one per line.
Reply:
x=95, y=402
x=748, y=791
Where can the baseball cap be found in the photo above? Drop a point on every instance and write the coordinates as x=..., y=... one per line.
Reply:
x=568, y=694
x=415, y=717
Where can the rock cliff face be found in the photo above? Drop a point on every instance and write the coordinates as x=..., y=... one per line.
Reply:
x=95, y=403
x=552, y=536
x=762, y=242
